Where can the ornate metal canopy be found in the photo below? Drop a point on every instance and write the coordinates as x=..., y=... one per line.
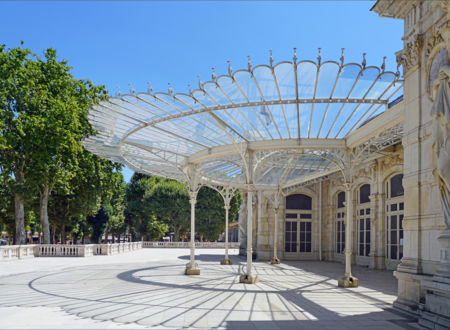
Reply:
x=276, y=124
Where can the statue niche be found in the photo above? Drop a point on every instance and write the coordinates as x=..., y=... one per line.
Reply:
x=441, y=139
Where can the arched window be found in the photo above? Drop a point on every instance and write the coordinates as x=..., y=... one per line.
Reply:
x=394, y=217
x=340, y=222
x=298, y=223
x=363, y=220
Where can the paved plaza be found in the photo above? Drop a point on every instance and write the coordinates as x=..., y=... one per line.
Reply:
x=147, y=289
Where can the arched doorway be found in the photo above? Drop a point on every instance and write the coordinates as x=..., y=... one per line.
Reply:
x=298, y=227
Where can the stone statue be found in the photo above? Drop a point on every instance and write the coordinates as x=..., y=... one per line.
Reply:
x=441, y=139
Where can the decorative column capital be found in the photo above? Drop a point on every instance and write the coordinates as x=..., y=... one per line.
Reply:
x=193, y=197
x=409, y=56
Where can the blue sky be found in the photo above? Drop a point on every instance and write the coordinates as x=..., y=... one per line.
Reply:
x=120, y=42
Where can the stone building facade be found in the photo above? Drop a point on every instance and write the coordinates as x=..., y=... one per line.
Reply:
x=398, y=220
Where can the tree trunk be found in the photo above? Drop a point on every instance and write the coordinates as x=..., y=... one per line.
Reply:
x=44, y=213
x=63, y=234
x=176, y=232
x=19, y=237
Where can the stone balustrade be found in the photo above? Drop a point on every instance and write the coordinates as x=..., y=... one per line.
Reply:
x=110, y=249
x=53, y=250
x=17, y=251
x=57, y=250
x=198, y=245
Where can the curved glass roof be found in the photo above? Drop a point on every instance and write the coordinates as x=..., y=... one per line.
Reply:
x=293, y=116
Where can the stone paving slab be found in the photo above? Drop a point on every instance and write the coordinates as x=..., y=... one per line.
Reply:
x=147, y=289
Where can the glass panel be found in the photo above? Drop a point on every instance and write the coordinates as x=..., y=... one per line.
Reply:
x=302, y=226
x=302, y=236
x=288, y=225
x=364, y=193
x=365, y=81
x=294, y=226
x=294, y=236
x=305, y=216
x=327, y=77
x=246, y=83
x=339, y=215
x=381, y=85
x=393, y=207
x=340, y=199
x=397, y=186
x=308, y=236
x=298, y=202
x=367, y=236
x=401, y=206
x=361, y=212
x=308, y=247
x=393, y=222
x=367, y=249
x=287, y=247
x=302, y=247
x=367, y=224
x=368, y=211
x=291, y=216
x=284, y=73
x=361, y=249
x=353, y=117
x=361, y=236
x=264, y=78
x=393, y=237
x=308, y=226
x=393, y=252
x=306, y=73
x=346, y=80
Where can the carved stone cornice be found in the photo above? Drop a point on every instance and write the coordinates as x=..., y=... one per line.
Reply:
x=409, y=57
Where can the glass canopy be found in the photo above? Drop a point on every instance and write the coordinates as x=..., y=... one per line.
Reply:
x=284, y=122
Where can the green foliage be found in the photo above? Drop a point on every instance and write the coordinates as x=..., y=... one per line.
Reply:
x=168, y=201
x=140, y=222
x=43, y=110
x=210, y=213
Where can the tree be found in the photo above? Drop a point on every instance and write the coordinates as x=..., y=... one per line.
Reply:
x=44, y=113
x=97, y=182
x=168, y=201
x=15, y=95
x=140, y=219
x=210, y=213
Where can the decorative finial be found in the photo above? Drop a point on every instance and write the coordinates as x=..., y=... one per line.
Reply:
x=249, y=63
x=118, y=92
x=319, y=56
x=149, y=87
x=383, y=66
x=295, y=55
x=364, y=61
x=342, y=56
x=230, y=70
x=199, y=82
x=213, y=74
x=132, y=90
x=170, y=89
x=190, y=89
x=271, y=57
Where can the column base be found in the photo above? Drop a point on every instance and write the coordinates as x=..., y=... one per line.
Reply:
x=248, y=279
x=348, y=282
x=435, y=312
x=192, y=271
x=226, y=262
x=275, y=261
